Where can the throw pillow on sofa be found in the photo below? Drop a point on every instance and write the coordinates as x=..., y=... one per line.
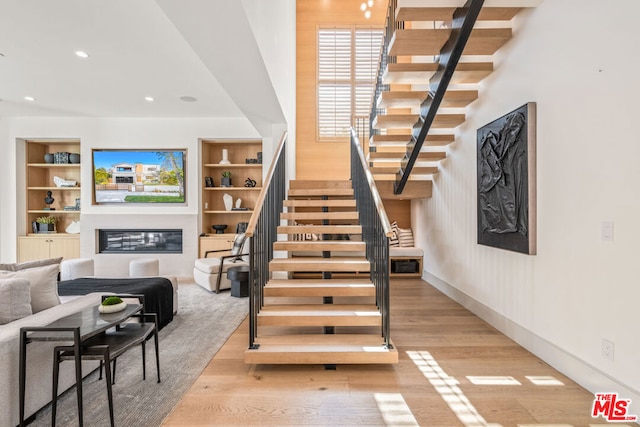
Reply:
x=44, y=285
x=15, y=300
x=30, y=264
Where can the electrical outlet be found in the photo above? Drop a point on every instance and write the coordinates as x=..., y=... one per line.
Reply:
x=608, y=348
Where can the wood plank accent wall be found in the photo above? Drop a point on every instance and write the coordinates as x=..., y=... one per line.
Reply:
x=321, y=160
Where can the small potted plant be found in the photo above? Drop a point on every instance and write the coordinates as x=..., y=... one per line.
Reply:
x=226, y=179
x=46, y=224
x=112, y=305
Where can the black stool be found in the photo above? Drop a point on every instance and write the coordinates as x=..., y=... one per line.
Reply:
x=239, y=278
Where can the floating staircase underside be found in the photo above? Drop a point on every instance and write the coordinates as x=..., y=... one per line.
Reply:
x=417, y=46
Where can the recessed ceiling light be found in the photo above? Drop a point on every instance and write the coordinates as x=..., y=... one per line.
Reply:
x=149, y=98
x=29, y=98
x=82, y=54
x=370, y=3
x=363, y=7
x=188, y=99
x=367, y=14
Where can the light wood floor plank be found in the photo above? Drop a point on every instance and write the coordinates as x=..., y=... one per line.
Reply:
x=424, y=322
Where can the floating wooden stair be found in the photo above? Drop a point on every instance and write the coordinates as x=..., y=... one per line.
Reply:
x=412, y=99
x=483, y=41
x=421, y=72
x=419, y=44
x=318, y=349
x=412, y=13
x=406, y=121
x=403, y=139
x=298, y=313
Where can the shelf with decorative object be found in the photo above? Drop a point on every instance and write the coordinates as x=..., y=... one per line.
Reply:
x=53, y=190
x=242, y=159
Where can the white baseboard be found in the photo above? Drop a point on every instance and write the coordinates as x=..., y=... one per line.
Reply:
x=568, y=364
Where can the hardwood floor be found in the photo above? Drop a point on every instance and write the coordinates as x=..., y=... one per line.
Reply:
x=454, y=370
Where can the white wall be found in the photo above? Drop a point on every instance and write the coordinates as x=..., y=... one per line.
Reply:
x=274, y=28
x=4, y=135
x=578, y=60
x=117, y=133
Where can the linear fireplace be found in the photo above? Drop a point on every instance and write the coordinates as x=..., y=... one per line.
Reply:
x=139, y=241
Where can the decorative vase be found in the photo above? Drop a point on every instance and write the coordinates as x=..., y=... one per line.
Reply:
x=228, y=201
x=73, y=228
x=74, y=158
x=48, y=158
x=225, y=157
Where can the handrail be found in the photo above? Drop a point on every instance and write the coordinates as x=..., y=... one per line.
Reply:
x=376, y=231
x=390, y=26
x=262, y=230
x=386, y=225
x=464, y=19
x=256, y=212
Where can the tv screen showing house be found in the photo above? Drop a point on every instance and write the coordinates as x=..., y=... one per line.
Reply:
x=139, y=176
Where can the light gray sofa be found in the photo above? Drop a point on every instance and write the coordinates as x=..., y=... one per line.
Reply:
x=39, y=362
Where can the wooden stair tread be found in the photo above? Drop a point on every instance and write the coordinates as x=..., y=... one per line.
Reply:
x=404, y=13
x=319, y=215
x=413, y=99
x=344, y=203
x=320, y=229
x=418, y=189
x=423, y=155
x=301, y=192
x=319, y=245
x=315, y=183
x=319, y=288
x=320, y=309
x=321, y=349
x=337, y=264
x=400, y=121
x=420, y=73
x=483, y=41
x=418, y=170
x=403, y=139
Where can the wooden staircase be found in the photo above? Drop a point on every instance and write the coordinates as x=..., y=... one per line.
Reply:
x=319, y=309
x=417, y=47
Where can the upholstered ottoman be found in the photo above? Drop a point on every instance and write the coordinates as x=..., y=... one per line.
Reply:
x=144, y=267
x=74, y=268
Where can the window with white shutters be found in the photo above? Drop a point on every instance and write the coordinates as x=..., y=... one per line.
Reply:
x=347, y=68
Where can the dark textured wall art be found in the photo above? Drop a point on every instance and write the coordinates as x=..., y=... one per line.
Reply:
x=507, y=181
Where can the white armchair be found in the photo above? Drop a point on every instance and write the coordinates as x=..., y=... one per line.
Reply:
x=210, y=272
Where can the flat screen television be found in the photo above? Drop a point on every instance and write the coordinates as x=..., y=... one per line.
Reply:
x=139, y=176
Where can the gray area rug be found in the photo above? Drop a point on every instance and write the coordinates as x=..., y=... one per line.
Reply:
x=203, y=324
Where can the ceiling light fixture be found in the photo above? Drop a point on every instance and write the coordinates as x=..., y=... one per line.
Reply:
x=82, y=54
x=29, y=98
x=367, y=14
x=370, y=3
x=188, y=99
x=363, y=7
x=149, y=98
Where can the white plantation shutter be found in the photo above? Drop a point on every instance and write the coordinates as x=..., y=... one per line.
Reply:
x=347, y=67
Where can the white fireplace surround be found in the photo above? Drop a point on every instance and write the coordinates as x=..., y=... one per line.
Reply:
x=117, y=264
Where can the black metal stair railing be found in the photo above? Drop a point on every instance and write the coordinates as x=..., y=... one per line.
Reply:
x=262, y=230
x=376, y=231
x=464, y=19
x=390, y=26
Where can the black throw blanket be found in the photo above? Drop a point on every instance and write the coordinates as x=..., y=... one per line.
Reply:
x=157, y=291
